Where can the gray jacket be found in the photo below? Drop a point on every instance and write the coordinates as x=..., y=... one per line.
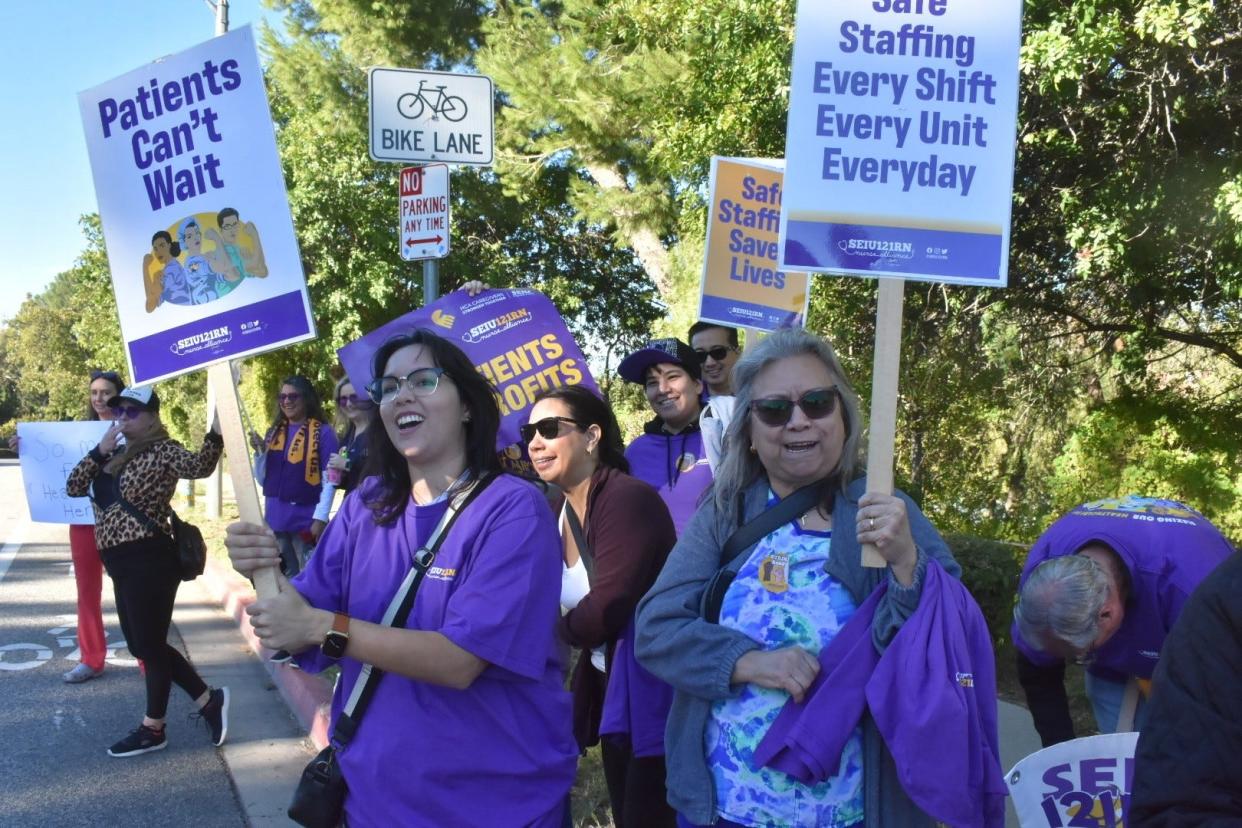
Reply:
x=697, y=657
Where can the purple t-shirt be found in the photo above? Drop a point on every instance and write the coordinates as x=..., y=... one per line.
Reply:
x=289, y=501
x=1167, y=547
x=676, y=465
x=500, y=752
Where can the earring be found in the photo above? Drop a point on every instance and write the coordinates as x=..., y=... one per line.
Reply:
x=752, y=449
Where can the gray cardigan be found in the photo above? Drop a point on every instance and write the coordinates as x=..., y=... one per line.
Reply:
x=697, y=657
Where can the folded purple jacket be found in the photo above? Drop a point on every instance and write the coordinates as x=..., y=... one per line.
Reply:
x=932, y=694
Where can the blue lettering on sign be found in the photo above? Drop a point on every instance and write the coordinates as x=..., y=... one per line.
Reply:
x=176, y=180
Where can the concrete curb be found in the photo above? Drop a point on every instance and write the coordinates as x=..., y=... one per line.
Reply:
x=307, y=695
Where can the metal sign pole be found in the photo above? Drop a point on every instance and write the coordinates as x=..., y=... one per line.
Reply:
x=431, y=280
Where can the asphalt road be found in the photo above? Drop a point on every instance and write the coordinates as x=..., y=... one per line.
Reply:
x=53, y=762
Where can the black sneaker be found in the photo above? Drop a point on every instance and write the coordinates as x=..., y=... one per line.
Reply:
x=216, y=714
x=281, y=657
x=141, y=740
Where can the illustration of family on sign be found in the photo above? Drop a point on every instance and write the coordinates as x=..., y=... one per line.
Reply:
x=181, y=272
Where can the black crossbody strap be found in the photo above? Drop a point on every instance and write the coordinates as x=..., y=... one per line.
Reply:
x=763, y=523
x=146, y=519
x=746, y=536
x=584, y=549
x=399, y=611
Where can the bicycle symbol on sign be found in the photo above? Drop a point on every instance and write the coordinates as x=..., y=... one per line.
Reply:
x=412, y=104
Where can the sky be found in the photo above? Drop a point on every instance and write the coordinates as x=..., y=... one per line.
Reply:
x=49, y=52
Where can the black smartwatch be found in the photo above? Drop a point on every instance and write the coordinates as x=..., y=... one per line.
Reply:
x=334, y=643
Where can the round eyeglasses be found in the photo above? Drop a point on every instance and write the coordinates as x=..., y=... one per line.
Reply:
x=422, y=382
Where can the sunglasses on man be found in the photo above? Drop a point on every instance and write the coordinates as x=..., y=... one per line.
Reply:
x=816, y=404
x=716, y=352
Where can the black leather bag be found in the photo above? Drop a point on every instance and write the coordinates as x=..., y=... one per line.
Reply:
x=319, y=799
x=191, y=548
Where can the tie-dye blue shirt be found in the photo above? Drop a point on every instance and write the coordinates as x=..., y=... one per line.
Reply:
x=781, y=597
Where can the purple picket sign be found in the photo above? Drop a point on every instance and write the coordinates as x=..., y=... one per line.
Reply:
x=515, y=338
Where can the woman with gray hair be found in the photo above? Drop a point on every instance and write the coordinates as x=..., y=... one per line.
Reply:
x=795, y=582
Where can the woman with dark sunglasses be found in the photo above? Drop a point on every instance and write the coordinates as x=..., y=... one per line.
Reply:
x=131, y=488
x=616, y=533
x=796, y=424
x=469, y=723
x=353, y=414
x=292, y=465
x=87, y=565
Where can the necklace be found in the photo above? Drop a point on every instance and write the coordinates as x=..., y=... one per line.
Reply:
x=807, y=516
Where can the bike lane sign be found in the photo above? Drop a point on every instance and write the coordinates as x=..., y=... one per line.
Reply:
x=424, y=212
x=421, y=117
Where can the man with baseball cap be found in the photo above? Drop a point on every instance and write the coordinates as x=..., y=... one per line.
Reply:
x=669, y=454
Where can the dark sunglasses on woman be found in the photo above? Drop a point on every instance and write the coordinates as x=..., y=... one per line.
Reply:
x=354, y=401
x=126, y=412
x=816, y=404
x=292, y=397
x=548, y=428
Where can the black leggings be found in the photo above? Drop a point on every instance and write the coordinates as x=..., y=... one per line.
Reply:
x=636, y=788
x=145, y=577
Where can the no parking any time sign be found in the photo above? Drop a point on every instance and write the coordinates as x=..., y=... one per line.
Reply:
x=424, y=212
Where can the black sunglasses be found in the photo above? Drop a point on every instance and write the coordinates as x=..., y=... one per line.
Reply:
x=716, y=352
x=126, y=412
x=548, y=428
x=816, y=404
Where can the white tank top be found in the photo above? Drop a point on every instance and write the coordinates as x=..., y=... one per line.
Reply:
x=574, y=587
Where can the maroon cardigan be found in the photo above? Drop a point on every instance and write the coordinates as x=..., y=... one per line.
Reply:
x=630, y=533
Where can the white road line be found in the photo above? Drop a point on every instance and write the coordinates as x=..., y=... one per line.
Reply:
x=9, y=551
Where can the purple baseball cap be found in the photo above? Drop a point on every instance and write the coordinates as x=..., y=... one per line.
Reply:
x=656, y=352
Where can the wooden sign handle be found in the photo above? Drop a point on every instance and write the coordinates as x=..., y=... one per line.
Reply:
x=884, y=398
x=237, y=447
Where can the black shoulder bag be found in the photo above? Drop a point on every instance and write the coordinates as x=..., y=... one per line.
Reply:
x=191, y=548
x=747, y=535
x=319, y=799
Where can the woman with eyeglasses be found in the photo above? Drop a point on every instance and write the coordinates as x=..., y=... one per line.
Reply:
x=354, y=414
x=292, y=465
x=469, y=723
x=616, y=533
x=793, y=590
x=87, y=565
x=131, y=488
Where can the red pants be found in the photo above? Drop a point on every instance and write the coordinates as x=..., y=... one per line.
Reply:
x=88, y=572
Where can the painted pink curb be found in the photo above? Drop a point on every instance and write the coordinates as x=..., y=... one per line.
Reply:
x=307, y=695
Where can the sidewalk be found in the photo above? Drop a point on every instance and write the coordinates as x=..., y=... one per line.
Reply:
x=272, y=708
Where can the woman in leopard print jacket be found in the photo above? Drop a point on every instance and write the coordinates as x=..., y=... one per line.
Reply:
x=141, y=556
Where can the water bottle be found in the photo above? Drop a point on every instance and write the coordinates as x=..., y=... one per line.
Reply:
x=334, y=474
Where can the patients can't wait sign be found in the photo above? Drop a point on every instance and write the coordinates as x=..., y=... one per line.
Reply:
x=205, y=265
x=900, y=141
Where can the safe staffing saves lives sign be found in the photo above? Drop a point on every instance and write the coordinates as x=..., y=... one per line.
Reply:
x=900, y=141
x=205, y=265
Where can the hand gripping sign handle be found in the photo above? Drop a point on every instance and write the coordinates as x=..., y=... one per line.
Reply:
x=884, y=399
x=220, y=376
